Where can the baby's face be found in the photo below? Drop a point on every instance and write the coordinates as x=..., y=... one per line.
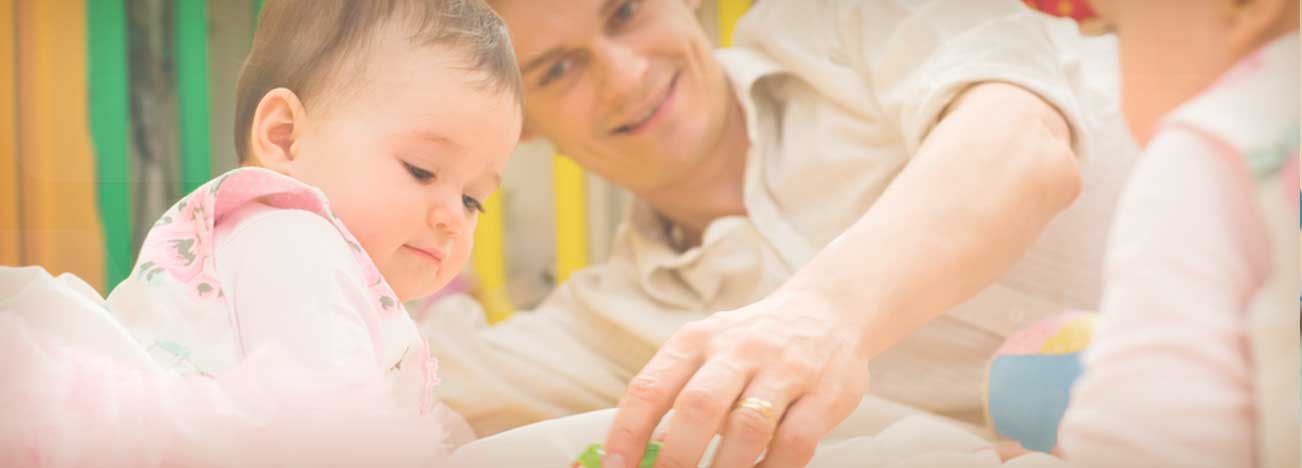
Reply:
x=407, y=154
x=1171, y=50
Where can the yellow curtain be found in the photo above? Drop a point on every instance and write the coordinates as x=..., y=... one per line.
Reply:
x=58, y=226
x=489, y=261
x=729, y=12
x=570, y=191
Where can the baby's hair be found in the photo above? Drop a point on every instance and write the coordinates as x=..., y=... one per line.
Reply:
x=301, y=45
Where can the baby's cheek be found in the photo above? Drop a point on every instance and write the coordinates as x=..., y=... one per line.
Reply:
x=464, y=245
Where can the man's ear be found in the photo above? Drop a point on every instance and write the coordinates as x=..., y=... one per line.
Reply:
x=278, y=123
x=1252, y=23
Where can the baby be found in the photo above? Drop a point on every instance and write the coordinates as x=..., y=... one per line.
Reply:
x=269, y=300
x=1195, y=358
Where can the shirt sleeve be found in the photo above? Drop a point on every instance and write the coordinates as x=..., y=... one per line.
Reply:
x=1168, y=377
x=294, y=284
x=917, y=56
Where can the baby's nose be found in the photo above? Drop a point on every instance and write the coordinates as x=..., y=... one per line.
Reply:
x=448, y=216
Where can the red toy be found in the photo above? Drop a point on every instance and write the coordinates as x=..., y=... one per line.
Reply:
x=1078, y=10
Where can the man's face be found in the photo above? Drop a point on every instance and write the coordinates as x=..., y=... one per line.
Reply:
x=628, y=88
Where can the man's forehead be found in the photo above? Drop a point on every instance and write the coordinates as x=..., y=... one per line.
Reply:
x=536, y=26
x=549, y=15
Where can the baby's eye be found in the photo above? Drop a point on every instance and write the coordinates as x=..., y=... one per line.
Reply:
x=472, y=205
x=419, y=174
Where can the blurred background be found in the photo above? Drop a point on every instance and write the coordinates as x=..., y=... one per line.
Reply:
x=111, y=110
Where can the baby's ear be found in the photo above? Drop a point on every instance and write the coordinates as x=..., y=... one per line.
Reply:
x=278, y=123
x=1255, y=22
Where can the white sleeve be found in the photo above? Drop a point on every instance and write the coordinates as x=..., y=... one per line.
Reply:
x=294, y=284
x=1168, y=379
x=919, y=55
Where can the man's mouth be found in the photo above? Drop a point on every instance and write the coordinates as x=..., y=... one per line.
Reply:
x=650, y=113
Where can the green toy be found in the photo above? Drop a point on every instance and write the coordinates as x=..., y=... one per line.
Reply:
x=591, y=458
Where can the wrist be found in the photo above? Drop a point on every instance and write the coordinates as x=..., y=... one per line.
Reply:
x=845, y=319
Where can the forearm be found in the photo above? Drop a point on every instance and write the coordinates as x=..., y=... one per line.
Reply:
x=989, y=177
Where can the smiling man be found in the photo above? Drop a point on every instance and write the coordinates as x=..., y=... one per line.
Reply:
x=857, y=188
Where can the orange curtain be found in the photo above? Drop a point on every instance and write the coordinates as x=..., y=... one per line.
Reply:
x=48, y=166
x=9, y=234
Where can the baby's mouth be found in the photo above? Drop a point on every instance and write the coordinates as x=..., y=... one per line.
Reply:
x=429, y=253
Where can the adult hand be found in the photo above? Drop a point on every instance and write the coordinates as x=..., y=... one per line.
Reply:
x=776, y=375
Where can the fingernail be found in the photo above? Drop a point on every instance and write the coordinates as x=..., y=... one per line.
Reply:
x=612, y=460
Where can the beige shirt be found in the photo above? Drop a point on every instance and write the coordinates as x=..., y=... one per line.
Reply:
x=838, y=95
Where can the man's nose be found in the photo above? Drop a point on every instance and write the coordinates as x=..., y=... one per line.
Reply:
x=622, y=72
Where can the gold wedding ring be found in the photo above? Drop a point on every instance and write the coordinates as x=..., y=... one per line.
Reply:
x=759, y=405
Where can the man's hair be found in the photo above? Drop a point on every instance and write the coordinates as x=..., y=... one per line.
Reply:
x=302, y=44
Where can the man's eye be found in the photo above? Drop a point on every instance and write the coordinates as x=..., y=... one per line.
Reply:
x=472, y=205
x=556, y=71
x=419, y=174
x=625, y=12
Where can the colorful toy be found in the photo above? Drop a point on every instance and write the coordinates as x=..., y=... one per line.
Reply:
x=591, y=458
x=1028, y=383
x=1077, y=10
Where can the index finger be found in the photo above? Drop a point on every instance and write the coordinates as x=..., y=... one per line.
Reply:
x=648, y=397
